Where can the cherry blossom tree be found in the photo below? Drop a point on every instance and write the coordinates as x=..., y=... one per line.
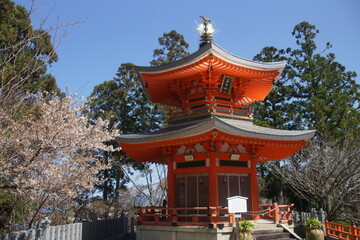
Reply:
x=47, y=153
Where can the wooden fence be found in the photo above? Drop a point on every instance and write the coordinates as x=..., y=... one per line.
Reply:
x=97, y=230
x=342, y=232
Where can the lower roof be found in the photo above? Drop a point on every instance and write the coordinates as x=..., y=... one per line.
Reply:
x=271, y=144
x=235, y=127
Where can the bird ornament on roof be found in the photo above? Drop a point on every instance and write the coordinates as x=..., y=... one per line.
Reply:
x=206, y=20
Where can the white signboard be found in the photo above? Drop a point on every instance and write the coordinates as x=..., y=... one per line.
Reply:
x=237, y=204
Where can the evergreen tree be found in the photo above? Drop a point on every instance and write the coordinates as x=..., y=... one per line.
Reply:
x=314, y=92
x=25, y=54
x=123, y=101
x=173, y=47
x=275, y=111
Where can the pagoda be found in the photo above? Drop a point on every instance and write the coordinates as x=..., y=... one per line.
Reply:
x=210, y=146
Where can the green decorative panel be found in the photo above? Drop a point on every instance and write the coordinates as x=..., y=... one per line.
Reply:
x=191, y=164
x=230, y=163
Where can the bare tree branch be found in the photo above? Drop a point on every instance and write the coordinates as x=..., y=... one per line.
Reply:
x=327, y=174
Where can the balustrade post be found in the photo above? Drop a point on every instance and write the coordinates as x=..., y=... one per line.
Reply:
x=327, y=228
x=232, y=218
x=355, y=232
x=276, y=213
x=156, y=217
x=173, y=213
x=212, y=215
x=289, y=214
x=338, y=229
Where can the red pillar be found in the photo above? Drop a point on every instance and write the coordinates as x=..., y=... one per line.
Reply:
x=254, y=187
x=213, y=182
x=170, y=182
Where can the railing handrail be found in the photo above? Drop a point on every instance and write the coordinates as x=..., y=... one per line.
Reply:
x=277, y=213
x=339, y=231
x=182, y=216
x=213, y=215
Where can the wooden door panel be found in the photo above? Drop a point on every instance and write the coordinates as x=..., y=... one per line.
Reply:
x=245, y=190
x=191, y=191
x=203, y=186
x=180, y=191
x=234, y=188
x=223, y=192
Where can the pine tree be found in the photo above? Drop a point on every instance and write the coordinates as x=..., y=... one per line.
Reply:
x=124, y=103
x=314, y=92
x=25, y=54
x=173, y=47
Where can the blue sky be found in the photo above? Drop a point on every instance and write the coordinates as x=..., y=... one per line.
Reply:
x=118, y=31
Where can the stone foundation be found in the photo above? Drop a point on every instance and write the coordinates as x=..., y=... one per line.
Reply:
x=153, y=232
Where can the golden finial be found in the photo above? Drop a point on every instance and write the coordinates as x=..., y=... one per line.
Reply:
x=206, y=20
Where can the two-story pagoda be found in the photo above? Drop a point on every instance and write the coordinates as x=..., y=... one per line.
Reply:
x=211, y=147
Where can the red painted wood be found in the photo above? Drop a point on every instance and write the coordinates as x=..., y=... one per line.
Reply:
x=171, y=184
x=254, y=188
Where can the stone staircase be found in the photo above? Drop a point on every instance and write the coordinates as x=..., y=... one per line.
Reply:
x=271, y=233
x=266, y=230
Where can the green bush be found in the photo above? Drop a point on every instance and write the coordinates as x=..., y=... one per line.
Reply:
x=312, y=223
x=246, y=227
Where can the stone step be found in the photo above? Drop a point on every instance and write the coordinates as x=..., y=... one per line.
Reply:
x=268, y=230
x=276, y=236
x=265, y=225
x=271, y=234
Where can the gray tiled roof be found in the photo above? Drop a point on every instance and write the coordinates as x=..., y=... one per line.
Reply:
x=232, y=126
x=217, y=51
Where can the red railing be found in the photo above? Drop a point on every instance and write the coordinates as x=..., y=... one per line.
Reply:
x=199, y=216
x=207, y=216
x=244, y=111
x=275, y=212
x=342, y=231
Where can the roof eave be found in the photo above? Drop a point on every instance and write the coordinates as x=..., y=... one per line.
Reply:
x=217, y=51
x=245, y=130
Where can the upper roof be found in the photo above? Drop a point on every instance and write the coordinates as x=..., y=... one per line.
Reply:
x=257, y=78
x=216, y=50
